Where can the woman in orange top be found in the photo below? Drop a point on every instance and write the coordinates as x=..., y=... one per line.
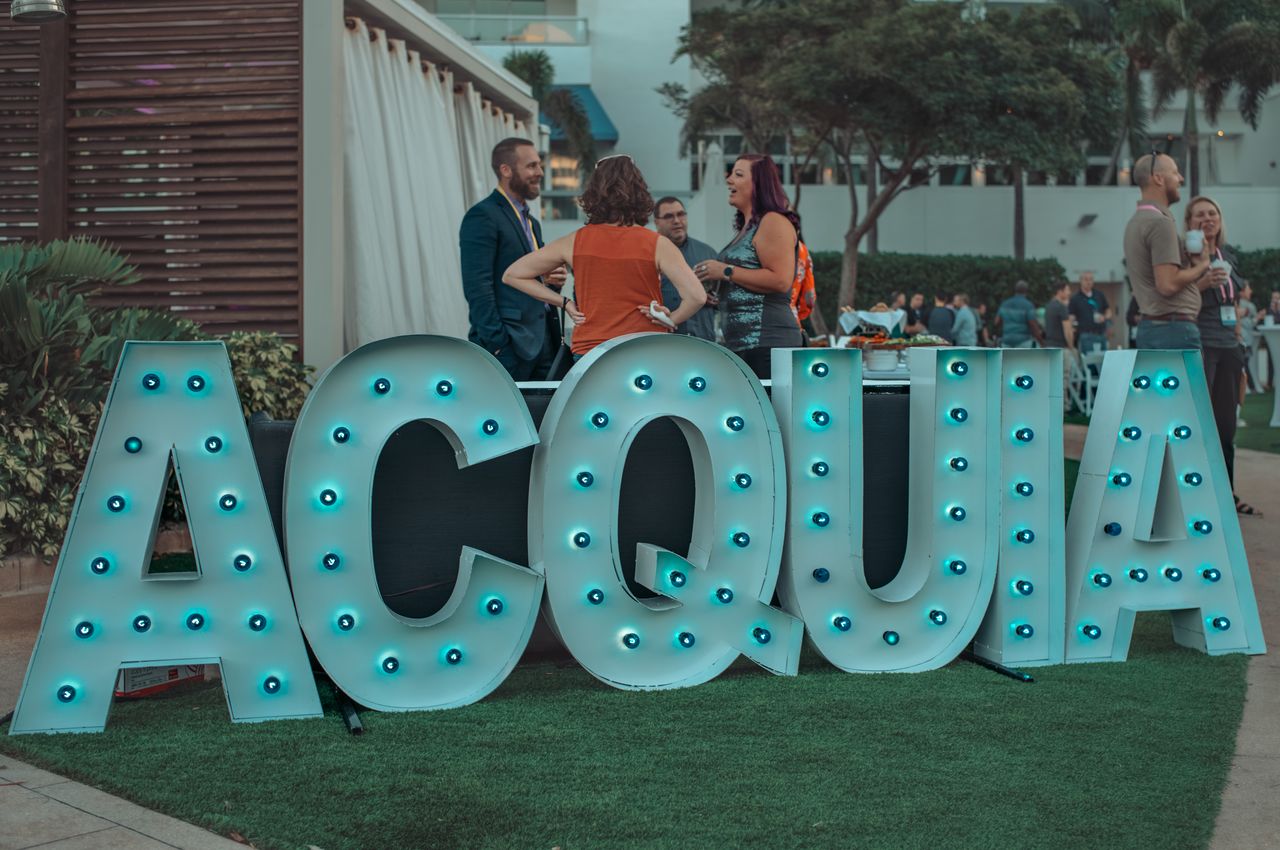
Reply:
x=615, y=260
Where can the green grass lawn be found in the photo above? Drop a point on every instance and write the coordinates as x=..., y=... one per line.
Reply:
x=1257, y=434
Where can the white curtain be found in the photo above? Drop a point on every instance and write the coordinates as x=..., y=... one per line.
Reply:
x=416, y=156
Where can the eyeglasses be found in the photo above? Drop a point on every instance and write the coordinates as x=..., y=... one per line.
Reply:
x=671, y=216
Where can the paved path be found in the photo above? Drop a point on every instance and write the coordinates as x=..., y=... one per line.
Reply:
x=41, y=809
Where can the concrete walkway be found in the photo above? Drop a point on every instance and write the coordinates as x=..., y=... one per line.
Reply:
x=45, y=810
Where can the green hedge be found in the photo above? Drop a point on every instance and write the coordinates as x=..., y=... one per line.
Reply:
x=1262, y=269
x=985, y=279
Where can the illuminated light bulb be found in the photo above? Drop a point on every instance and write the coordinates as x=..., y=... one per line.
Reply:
x=453, y=656
x=1023, y=587
x=1122, y=479
x=1024, y=630
x=1210, y=574
x=1025, y=535
x=820, y=369
x=489, y=427
x=444, y=389
x=1132, y=432
x=133, y=445
x=631, y=640
x=271, y=684
x=938, y=617
x=1112, y=529
x=84, y=629
x=821, y=519
x=1091, y=631
x=697, y=384
x=494, y=606
x=141, y=623
x=959, y=464
x=1173, y=573
x=600, y=419
x=891, y=638
x=1220, y=623
x=1141, y=382
x=1024, y=488
x=1193, y=478
x=735, y=423
x=257, y=622
x=1024, y=382
x=341, y=434
x=725, y=595
x=331, y=561
x=820, y=469
x=960, y=368
x=958, y=513
x=227, y=502
x=1024, y=435
x=842, y=623
x=115, y=504
x=195, y=383
x=586, y=479
x=761, y=635
x=346, y=622
x=582, y=540
x=1202, y=526
x=66, y=693
x=382, y=386
x=1102, y=579
x=821, y=575
x=328, y=497
x=742, y=540
x=743, y=480
x=644, y=382
x=1182, y=432
x=1138, y=574
x=151, y=381
x=390, y=664
x=195, y=622
x=957, y=567
x=213, y=445
x=677, y=578
x=1170, y=383
x=595, y=596
x=100, y=565
x=959, y=414
x=686, y=639
x=821, y=418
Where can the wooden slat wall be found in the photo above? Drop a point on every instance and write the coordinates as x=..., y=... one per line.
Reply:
x=183, y=150
x=19, y=128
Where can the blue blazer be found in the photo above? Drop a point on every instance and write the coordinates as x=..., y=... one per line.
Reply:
x=492, y=239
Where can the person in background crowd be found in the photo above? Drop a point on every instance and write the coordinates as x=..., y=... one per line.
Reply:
x=1016, y=319
x=984, y=331
x=1059, y=332
x=1273, y=309
x=616, y=262
x=1091, y=314
x=1132, y=315
x=915, y=323
x=521, y=332
x=964, y=330
x=1220, y=330
x=672, y=221
x=1247, y=312
x=757, y=268
x=941, y=317
x=804, y=293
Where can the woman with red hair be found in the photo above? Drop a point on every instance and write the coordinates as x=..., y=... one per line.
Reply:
x=757, y=268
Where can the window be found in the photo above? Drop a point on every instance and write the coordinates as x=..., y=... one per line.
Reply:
x=564, y=173
x=955, y=175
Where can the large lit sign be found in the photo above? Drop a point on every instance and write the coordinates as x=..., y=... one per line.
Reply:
x=1152, y=525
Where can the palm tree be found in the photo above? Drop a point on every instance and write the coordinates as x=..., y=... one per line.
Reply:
x=561, y=106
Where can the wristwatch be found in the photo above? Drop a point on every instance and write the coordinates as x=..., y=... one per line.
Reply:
x=728, y=273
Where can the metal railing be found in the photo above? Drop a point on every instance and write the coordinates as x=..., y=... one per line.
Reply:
x=518, y=29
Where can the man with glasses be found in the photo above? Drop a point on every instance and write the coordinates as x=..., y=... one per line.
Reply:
x=672, y=221
x=1166, y=291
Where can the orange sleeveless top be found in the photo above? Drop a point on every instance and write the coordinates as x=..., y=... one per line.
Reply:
x=614, y=272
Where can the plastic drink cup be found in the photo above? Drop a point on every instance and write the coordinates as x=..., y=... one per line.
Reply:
x=1195, y=241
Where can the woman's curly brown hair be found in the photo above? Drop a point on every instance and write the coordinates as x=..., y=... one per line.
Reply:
x=616, y=193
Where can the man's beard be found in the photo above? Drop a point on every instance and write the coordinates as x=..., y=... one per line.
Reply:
x=1172, y=195
x=526, y=190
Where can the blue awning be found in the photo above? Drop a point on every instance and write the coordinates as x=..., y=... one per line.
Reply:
x=602, y=128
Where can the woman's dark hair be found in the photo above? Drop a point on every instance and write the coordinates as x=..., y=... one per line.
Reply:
x=767, y=194
x=616, y=193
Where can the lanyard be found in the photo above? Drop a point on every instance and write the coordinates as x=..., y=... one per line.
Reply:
x=524, y=220
x=1154, y=209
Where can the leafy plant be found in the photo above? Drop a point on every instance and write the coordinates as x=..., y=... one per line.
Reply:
x=269, y=378
x=560, y=106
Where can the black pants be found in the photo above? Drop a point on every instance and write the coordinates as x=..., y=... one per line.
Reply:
x=536, y=369
x=1222, y=368
x=759, y=360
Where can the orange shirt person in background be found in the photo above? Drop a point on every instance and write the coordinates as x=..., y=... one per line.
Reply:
x=803, y=293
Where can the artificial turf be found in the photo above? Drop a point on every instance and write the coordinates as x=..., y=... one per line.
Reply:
x=1110, y=755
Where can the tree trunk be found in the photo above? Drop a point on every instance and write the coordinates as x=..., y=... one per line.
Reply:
x=849, y=262
x=1019, y=215
x=872, y=171
x=1191, y=134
